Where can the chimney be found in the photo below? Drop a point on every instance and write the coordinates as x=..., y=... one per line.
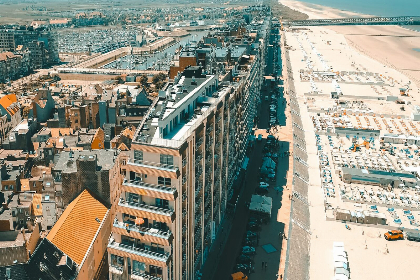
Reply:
x=4, y=205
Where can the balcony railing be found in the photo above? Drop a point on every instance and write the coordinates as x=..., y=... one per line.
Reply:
x=152, y=187
x=143, y=230
x=140, y=252
x=166, y=167
x=199, y=142
x=146, y=208
x=116, y=269
x=138, y=275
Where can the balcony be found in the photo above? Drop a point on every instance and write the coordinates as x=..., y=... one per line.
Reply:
x=198, y=143
x=141, y=255
x=198, y=172
x=142, y=233
x=198, y=188
x=118, y=270
x=138, y=275
x=146, y=211
x=141, y=188
x=198, y=158
x=153, y=168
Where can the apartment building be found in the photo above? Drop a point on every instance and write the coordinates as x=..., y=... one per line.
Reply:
x=9, y=66
x=7, y=41
x=184, y=158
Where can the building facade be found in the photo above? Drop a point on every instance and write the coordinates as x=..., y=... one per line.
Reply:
x=184, y=159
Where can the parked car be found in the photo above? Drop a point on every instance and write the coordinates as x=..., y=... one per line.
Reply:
x=394, y=235
x=261, y=191
x=254, y=220
x=264, y=185
x=248, y=250
x=245, y=259
x=413, y=236
x=238, y=276
x=253, y=226
x=246, y=268
x=251, y=234
x=250, y=242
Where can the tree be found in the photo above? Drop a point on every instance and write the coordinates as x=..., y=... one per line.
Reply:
x=158, y=77
x=143, y=80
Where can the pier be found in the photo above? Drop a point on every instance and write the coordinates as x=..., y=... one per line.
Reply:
x=400, y=20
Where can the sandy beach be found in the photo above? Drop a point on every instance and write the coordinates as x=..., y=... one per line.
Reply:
x=318, y=11
x=393, y=46
x=372, y=64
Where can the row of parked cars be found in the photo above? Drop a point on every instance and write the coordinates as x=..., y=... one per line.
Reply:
x=245, y=261
x=399, y=234
x=273, y=109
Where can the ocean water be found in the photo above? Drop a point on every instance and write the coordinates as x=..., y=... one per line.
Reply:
x=374, y=7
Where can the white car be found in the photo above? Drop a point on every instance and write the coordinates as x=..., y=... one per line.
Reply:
x=264, y=185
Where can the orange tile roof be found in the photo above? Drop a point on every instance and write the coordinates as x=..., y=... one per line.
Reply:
x=36, y=205
x=24, y=185
x=123, y=147
x=75, y=230
x=129, y=132
x=8, y=100
x=55, y=132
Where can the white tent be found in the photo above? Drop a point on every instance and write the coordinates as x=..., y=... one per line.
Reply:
x=261, y=204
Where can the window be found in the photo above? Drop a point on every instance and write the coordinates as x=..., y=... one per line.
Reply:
x=133, y=198
x=155, y=271
x=11, y=187
x=167, y=159
x=6, y=187
x=138, y=155
x=117, y=261
x=162, y=203
x=139, y=266
x=164, y=181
